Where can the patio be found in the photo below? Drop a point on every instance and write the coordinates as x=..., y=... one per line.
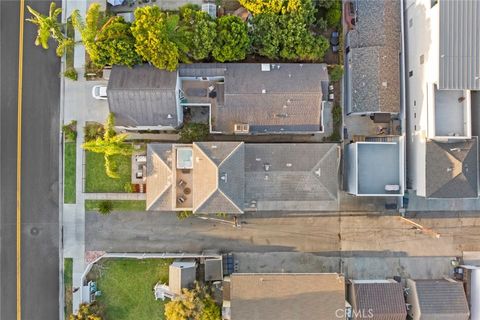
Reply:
x=452, y=113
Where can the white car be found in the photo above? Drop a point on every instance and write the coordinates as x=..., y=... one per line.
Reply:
x=99, y=92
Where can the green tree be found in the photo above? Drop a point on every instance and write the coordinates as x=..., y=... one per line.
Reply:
x=305, y=8
x=194, y=132
x=335, y=71
x=50, y=27
x=158, y=38
x=110, y=144
x=287, y=37
x=200, y=31
x=87, y=312
x=195, y=304
x=232, y=42
x=89, y=28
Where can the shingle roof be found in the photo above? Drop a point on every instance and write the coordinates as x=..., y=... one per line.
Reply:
x=386, y=300
x=286, y=98
x=159, y=180
x=297, y=173
x=374, y=59
x=143, y=96
x=459, y=45
x=452, y=169
x=286, y=296
x=441, y=300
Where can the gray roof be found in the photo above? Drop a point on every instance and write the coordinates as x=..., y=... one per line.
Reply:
x=441, y=300
x=375, y=62
x=143, y=96
x=181, y=274
x=285, y=296
x=386, y=300
x=452, y=169
x=202, y=70
x=291, y=102
x=459, y=45
x=298, y=173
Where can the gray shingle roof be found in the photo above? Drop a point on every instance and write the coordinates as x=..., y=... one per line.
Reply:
x=202, y=70
x=286, y=296
x=143, y=96
x=386, y=300
x=459, y=45
x=452, y=169
x=291, y=102
x=441, y=300
x=296, y=173
x=374, y=58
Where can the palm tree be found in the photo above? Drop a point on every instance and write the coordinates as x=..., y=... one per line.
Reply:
x=49, y=27
x=110, y=144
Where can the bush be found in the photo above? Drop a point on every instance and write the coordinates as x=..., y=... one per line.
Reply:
x=105, y=207
x=194, y=132
x=182, y=215
x=336, y=72
x=93, y=130
x=334, y=16
x=128, y=187
x=70, y=131
x=71, y=74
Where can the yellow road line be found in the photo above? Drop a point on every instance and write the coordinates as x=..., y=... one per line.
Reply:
x=19, y=161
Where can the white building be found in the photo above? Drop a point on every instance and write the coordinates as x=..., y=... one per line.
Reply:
x=443, y=70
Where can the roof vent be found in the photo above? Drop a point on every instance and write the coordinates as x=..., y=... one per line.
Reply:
x=449, y=169
x=265, y=66
x=266, y=166
x=385, y=84
x=223, y=177
x=318, y=172
x=264, y=91
x=169, y=116
x=258, y=159
x=266, y=177
x=289, y=165
x=214, y=146
x=289, y=75
x=281, y=115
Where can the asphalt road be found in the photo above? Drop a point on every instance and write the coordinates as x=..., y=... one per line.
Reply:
x=40, y=167
x=333, y=235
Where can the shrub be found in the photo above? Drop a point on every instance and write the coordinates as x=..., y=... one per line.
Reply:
x=70, y=131
x=182, y=215
x=194, y=132
x=71, y=73
x=128, y=187
x=105, y=207
x=93, y=130
x=336, y=72
x=334, y=16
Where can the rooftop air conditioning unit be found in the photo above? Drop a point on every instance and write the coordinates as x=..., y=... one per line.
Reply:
x=241, y=128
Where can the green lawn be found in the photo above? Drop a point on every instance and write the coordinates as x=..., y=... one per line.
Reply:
x=67, y=279
x=127, y=288
x=118, y=205
x=98, y=181
x=69, y=178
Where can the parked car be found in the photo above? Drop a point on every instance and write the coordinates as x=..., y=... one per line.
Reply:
x=334, y=41
x=99, y=92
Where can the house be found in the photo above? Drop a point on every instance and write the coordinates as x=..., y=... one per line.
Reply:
x=443, y=84
x=247, y=98
x=284, y=296
x=181, y=274
x=373, y=58
x=436, y=299
x=143, y=98
x=233, y=177
x=375, y=168
x=377, y=300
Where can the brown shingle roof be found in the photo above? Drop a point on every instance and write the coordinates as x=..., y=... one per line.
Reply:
x=286, y=296
x=385, y=300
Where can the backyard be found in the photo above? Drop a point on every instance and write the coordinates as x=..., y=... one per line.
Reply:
x=96, y=178
x=127, y=287
x=69, y=178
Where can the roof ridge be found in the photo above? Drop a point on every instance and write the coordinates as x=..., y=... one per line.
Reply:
x=231, y=153
x=312, y=171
